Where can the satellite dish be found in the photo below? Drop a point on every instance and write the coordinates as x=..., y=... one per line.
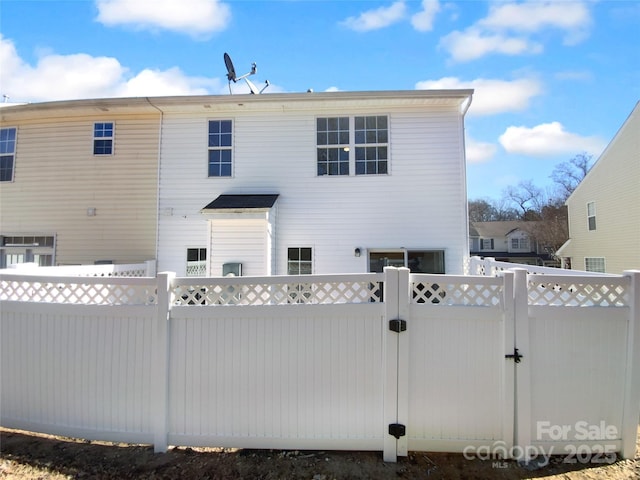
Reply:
x=231, y=76
x=231, y=72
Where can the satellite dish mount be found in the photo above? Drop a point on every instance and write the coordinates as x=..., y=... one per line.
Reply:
x=231, y=76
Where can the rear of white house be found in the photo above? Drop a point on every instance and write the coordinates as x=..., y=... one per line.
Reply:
x=313, y=183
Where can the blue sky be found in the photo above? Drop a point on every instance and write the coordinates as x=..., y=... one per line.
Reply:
x=551, y=79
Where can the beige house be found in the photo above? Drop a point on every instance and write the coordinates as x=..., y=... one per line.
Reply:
x=604, y=210
x=79, y=182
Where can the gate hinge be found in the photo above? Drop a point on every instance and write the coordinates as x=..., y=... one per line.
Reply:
x=515, y=355
x=397, y=325
x=397, y=430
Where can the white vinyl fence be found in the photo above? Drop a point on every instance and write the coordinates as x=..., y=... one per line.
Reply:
x=516, y=364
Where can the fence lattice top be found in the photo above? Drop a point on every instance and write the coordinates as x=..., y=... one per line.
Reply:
x=207, y=292
x=448, y=290
x=574, y=292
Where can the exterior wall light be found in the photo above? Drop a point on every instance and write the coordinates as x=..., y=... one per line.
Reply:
x=357, y=252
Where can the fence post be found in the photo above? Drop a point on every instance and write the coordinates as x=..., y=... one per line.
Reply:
x=509, y=372
x=522, y=427
x=390, y=364
x=150, y=267
x=404, y=299
x=631, y=404
x=160, y=369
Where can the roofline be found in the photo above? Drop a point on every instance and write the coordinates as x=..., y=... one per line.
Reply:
x=635, y=111
x=137, y=103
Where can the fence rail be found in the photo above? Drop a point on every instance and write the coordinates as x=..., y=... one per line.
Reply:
x=324, y=361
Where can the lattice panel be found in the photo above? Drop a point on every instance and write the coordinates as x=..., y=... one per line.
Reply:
x=456, y=293
x=78, y=293
x=278, y=293
x=575, y=294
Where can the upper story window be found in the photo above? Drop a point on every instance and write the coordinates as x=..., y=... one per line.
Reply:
x=333, y=145
x=367, y=137
x=520, y=243
x=103, y=138
x=591, y=215
x=7, y=153
x=220, y=148
x=372, y=145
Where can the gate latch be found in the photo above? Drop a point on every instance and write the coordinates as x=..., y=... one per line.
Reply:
x=397, y=430
x=397, y=325
x=515, y=355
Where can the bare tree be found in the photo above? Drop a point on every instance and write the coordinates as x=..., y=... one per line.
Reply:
x=526, y=197
x=568, y=175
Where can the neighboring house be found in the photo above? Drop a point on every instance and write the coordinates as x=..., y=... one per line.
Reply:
x=604, y=210
x=267, y=184
x=507, y=241
x=78, y=182
x=330, y=182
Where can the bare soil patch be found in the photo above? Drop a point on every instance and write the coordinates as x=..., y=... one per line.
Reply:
x=30, y=456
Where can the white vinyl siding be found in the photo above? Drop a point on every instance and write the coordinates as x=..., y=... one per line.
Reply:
x=240, y=239
x=275, y=152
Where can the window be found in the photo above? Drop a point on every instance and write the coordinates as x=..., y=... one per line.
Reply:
x=591, y=215
x=299, y=261
x=220, y=148
x=594, y=264
x=103, y=138
x=333, y=145
x=418, y=261
x=367, y=137
x=371, y=139
x=520, y=243
x=196, y=262
x=486, y=244
x=38, y=249
x=7, y=153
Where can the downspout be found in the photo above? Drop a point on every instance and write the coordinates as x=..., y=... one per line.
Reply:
x=158, y=178
x=465, y=108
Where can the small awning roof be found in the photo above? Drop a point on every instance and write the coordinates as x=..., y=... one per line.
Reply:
x=241, y=202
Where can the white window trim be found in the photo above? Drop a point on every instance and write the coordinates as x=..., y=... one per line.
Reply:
x=592, y=215
x=112, y=138
x=352, y=145
x=14, y=154
x=232, y=147
x=604, y=264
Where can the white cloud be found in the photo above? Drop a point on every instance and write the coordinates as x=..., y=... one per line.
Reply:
x=491, y=96
x=479, y=152
x=548, y=139
x=197, y=18
x=423, y=20
x=509, y=29
x=571, y=17
x=474, y=43
x=378, y=18
x=65, y=77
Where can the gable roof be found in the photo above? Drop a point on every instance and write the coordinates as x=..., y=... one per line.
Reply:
x=496, y=229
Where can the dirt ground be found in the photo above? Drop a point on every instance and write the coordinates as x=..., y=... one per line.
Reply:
x=26, y=455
